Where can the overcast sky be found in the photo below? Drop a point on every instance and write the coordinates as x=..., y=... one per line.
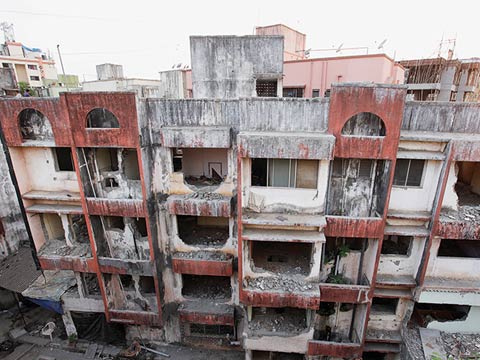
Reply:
x=149, y=36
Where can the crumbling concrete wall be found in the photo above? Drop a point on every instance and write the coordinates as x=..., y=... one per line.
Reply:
x=226, y=67
x=173, y=84
x=442, y=117
x=109, y=71
x=12, y=225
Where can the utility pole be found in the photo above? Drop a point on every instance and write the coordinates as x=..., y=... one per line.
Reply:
x=63, y=69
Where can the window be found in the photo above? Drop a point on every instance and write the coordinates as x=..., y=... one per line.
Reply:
x=285, y=173
x=63, y=159
x=32, y=67
x=459, y=248
x=35, y=78
x=315, y=93
x=408, y=172
x=266, y=88
x=5, y=65
x=384, y=306
x=364, y=124
x=396, y=245
x=102, y=118
x=293, y=92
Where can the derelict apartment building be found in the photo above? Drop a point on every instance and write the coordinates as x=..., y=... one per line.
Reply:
x=290, y=228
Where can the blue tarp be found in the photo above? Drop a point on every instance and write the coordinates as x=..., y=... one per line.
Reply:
x=48, y=304
x=31, y=49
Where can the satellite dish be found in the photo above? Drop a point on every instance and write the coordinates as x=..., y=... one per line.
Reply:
x=339, y=48
x=306, y=53
x=380, y=46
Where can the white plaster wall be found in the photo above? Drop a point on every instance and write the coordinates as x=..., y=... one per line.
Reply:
x=417, y=198
x=421, y=146
x=470, y=325
x=269, y=198
x=450, y=199
x=195, y=161
x=451, y=267
x=449, y=297
x=287, y=344
x=38, y=166
x=403, y=264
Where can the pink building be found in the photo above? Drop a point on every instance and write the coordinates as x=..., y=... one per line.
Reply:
x=294, y=43
x=313, y=77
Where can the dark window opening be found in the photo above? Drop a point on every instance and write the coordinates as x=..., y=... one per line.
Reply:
x=203, y=230
x=127, y=282
x=177, y=160
x=32, y=67
x=266, y=88
x=384, y=306
x=141, y=226
x=408, y=172
x=211, y=330
x=107, y=159
x=147, y=285
x=102, y=118
x=459, y=248
x=114, y=222
x=361, y=168
x=5, y=65
x=364, y=124
x=90, y=283
x=130, y=163
x=63, y=159
x=424, y=313
x=315, y=93
x=333, y=244
x=282, y=258
x=206, y=287
x=34, y=125
x=35, y=78
x=467, y=187
x=370, y=355
x=293, y=92
x=111, y=183
x=271, y=355
x=78, y=228
x=285, y=173
x=94, y=327
x=396, y=245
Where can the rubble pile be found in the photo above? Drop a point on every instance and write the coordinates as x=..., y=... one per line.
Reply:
x=275, y=283
x=285, y=322
x=413, y=343
x=461, y=346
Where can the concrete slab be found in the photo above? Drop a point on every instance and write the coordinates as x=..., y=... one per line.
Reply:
x=282, y=219
x=54, y=209
x=283, y=235
x=52, y=195
x=417, y=231
x=432, y=344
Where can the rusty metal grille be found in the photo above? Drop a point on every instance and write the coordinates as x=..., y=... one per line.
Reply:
x=267, y=88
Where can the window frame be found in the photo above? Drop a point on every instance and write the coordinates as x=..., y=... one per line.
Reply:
x=409, y=249
x=420, y=186
x=34, y=78
x=56, y=162
x=291, y=168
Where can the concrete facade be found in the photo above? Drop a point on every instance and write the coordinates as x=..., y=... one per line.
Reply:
x=308, y=227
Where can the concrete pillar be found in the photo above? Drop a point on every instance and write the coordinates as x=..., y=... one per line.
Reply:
x=69, y=325
x=80, y=285
x=462, y=86
x=248, y=355
x=446, y=83
x=66, y=229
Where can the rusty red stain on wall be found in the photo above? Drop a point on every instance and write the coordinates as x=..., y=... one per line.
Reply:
x=344, y=293
x=207, y=319
x=280, y=299
x=338, y=350
x=338, y=226
x=68, y=263
x=135, y=317
x=202, y=267
x=114, y=207
x=182, y=205
x=387, y=103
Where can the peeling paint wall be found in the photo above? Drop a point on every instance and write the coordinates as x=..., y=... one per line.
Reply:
x=227, y=66
x=12, y=226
